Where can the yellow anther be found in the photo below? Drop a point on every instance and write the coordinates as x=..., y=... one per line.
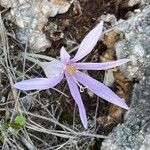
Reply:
x=71, y=69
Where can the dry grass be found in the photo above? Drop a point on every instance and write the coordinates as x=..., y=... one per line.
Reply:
x=43, y=130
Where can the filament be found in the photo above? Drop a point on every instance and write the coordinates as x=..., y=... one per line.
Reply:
x=81, y=87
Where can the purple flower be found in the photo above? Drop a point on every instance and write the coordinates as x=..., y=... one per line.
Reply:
x=56, y=69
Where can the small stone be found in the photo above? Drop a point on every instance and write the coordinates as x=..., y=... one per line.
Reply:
x=109, y=18
x=137, y=10
x=109, y=78
x=132, y=3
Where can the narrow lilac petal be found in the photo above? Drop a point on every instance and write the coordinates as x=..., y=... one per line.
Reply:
x=100, y=66
x=89, y=42
x=38, y=83
x=53, y=68
x=76, y=95
x=64, y=55
x=100, y=89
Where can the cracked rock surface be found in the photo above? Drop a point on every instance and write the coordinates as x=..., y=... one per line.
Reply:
x=31, y=15
x=134, y=133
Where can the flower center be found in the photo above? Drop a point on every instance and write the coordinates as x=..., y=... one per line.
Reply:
x=71, y=69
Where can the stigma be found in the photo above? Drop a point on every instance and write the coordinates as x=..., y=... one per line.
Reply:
x=71, y=69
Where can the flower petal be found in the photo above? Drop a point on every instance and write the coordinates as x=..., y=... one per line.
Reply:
x=100, y=66
x=64, y=55
x=38, y=83
x=53, y=68
x=76, y=95
x=89, y=42
x=100, y=89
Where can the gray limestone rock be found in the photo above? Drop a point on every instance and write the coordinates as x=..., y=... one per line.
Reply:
x=134, y=133
x=31, y=15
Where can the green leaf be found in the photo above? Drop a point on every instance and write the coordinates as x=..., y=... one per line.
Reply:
x=21, y=120
x=6, y=125
x=1, y=138
x=15, y=125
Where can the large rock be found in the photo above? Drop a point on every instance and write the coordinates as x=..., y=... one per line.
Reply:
x=134, y=133
x=31, y=15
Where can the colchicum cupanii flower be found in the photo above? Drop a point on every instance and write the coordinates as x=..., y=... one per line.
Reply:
x=56, y=69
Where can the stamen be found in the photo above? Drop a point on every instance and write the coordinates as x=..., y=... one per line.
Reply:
x=71, y=69
x=82, y=88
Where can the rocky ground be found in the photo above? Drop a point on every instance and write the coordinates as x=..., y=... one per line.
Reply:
x=52, y=118
x=134, y=133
